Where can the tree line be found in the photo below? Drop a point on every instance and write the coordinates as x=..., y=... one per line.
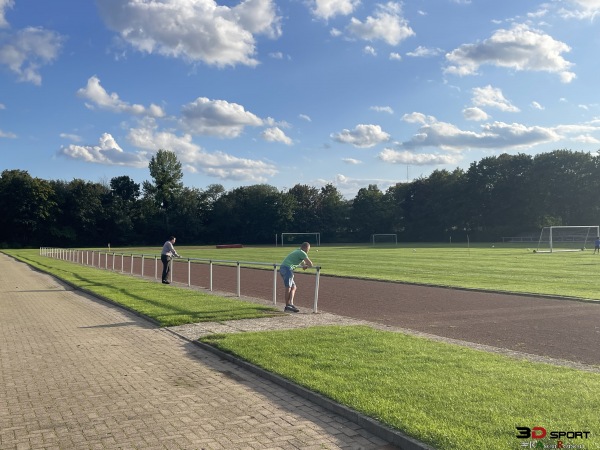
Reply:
x=505, y=195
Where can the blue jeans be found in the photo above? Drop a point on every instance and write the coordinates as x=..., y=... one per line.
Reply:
x=287, y=274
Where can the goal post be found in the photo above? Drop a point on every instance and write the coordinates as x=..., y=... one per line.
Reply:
x=384, y=239
x=297, y=238
x=566, y=238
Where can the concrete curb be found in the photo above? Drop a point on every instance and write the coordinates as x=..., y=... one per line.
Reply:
x=388, y=434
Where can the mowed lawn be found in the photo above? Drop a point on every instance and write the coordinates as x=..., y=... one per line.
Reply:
x=503, y=268
x=447, y=396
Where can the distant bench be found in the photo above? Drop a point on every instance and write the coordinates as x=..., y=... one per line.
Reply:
x=230, y=246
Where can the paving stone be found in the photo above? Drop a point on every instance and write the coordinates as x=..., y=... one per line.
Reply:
x=78, y=373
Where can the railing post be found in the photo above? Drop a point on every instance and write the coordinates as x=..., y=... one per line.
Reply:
x=113, y=261
x=210, y=276
x=275, y=284
x=142, y=265
x=131, y=268
x=316, y=289
x=122, y=262
x=172, y=270
x=239, y=280
x=155, y=267
x=189, y=272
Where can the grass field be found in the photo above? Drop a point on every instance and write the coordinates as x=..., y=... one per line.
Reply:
x=447, y=396
x=507, y=268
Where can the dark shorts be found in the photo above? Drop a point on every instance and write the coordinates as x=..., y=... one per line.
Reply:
x=288, y=276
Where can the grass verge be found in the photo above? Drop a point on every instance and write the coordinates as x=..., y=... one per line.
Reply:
x=168, y=305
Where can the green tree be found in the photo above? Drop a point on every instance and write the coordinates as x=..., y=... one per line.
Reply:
x=305, y=203
x=396, y=197
x=188, y=218
x=566, y=186
x=249, y=214
x=166, y=173
x=125, y=188
x=333, y=214
x=27, y=205
x=82, y=215
x=121, y=209
x=370, y=213
x=434, y=207
x=498, y=191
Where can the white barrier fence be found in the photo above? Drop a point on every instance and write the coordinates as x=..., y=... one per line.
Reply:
x=100, y=260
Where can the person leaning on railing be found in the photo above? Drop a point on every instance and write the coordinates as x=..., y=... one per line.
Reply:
x=166, y=256
x=298, y=258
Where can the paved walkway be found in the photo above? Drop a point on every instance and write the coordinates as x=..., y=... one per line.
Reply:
x=77, y=373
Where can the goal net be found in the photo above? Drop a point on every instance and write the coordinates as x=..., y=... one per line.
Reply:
x=299, y=238
x=384, y=239
x=567, y=238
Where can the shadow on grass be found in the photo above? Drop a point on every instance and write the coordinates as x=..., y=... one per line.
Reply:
x=167, y=313
x=162, y=312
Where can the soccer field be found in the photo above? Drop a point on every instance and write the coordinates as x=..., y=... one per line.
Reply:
x=495, y=267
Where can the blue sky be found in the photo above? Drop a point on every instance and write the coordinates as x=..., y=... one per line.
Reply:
x=346, y=92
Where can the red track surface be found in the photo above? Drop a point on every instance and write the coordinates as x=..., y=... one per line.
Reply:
x=556, y=328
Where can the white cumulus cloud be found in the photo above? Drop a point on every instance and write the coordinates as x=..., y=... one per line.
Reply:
x=27, y=50
x=4, y=5
x=582, y=9
x=275, y=134
x=217, y=118
x=536, y=105
x=496, y=135
x=98, y=96
x=417, y=159
x=387, y=24
x=424, y=52
x=363, y=136
x=384, y=109
x=326, y=9
x=106, y=152
x=474, y=113
x=493, y=98
x=520, y=48
x=6, y=134
x=196, y=159
x=194, y=30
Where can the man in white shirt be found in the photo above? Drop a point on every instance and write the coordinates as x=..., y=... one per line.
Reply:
x=166, y=256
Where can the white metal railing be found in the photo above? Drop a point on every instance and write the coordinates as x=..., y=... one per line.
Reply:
x=99, y=259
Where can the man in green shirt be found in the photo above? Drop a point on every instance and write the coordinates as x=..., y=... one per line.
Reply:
x=298, y=258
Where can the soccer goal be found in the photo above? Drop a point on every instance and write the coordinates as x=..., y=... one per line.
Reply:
x=567, y=238
x=299, y=238
x=384, y=239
